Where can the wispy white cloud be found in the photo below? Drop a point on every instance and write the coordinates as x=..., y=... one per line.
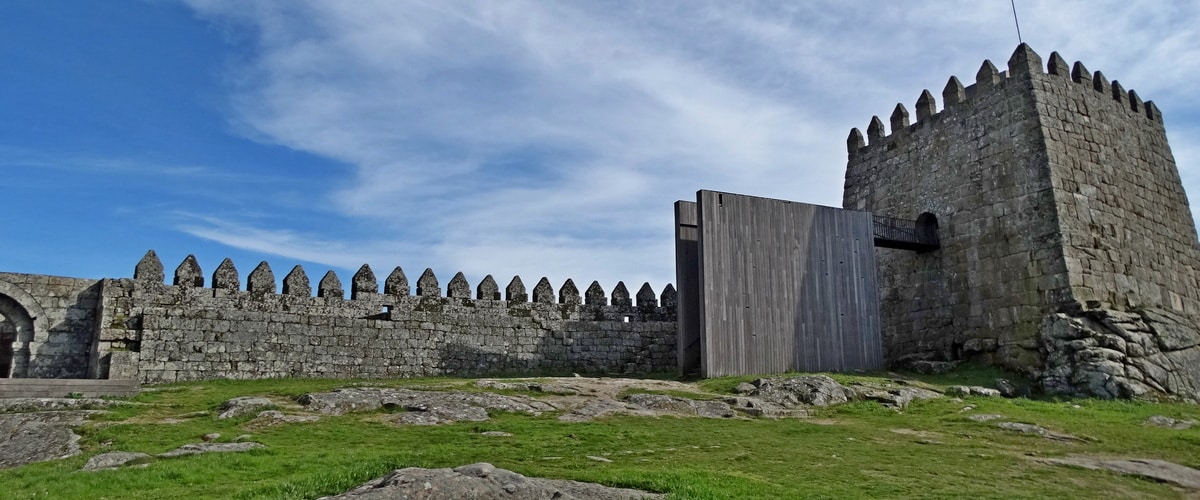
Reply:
x=551, y=138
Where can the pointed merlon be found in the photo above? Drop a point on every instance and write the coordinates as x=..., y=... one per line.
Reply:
x=1024, y=62
x=515, y=291
x=875, y=132
x=427, y=284
x=1058, y=66
x=669, y=298
x=899, y=119
x=926, y=106
x=1100, y=83
x=954, y=93
x=1118, y=92
x=855, y=142
x=150, y=269
x=1080, y=73
x=226, y=276
x=261, y=279
x=330, y=286
x=296, y=283
x=543, y=293
x=188, y=273
x=569, y=293
x=988, y=76
x=396, y=284
x=488, y=289
x=458, y=287
x=646, y=298
x=620, y=296
x=363, y=284
x=595, y=296
x=1135, y=102
x=1152, y=112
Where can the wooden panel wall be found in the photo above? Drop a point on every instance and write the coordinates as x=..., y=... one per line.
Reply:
x=687, y=279
x=785, y=286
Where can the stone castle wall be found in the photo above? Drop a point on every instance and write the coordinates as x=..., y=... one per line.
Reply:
x=980, y=167
x=164, y=333
x=50, y=329
x=1058, y=203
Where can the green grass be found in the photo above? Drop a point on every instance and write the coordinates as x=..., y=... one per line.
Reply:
x=857, y=450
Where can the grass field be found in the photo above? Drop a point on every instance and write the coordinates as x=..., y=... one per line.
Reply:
x=856, y=450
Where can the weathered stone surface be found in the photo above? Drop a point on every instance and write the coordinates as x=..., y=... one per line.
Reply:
x=569, y=293
x=330, y=286
x=396, y=284
x=1170, y=423
x=150, y=269
x=188, y=274
x=1006, y=388
x=296, y=283
x=39, y=436
x=669, y=297
x=271, y=418
x=971, y=390
x=891, y=395
x=200, y=448
x=245, y=405
x=482, y=480
x=543, y=293
x=363, y=284
x=1036, y=429
x=646, y=298
x=1113, y=354
x=681, y=406
x=261, y=279
x=487, y=289
x=1157, y=470
x=595, y=295
x=515, y=291
x=422, y=407
x=812, y=390
x=986, y=417
x=546, y=387
x=458, y=287
x=226, y=276
x=427, y=284
x=115, y=460
x=24, y=405
x=620, y=295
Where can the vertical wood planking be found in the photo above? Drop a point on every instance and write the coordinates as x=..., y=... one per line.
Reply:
x=784, y=286
x=687, y=278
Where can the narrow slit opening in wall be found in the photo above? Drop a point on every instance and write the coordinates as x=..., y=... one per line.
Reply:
x=386, y=310
x=625, y=319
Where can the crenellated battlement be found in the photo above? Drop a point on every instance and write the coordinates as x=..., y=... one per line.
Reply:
x=1024, y=66
x=364, y=287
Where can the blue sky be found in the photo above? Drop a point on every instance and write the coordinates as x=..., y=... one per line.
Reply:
x=490, y=137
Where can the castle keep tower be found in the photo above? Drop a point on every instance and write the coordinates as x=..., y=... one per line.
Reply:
x=1068, y=248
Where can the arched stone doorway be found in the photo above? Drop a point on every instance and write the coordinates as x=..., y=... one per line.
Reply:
x=16, y=332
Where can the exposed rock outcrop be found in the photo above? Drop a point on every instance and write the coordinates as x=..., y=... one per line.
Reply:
x=482, y=480
x=1112, y=354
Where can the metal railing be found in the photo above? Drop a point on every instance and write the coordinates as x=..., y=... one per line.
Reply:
x=891, y=232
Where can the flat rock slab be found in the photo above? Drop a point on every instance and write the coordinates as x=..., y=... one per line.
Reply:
x=1170, y=423
x=422, y=407
x=39, y=436
x=271, y=418
x=115, y=460
x=198, y=448
x=246, y=405
x=648, y=405
x=1158, y=470
x=12, y=405
x=810, y=390
x=482, y=480
x=972, y=390
x=1038, y=430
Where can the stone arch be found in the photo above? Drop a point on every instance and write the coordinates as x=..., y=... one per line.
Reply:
x=16, y=333
x=927, y=228
x=19, y=328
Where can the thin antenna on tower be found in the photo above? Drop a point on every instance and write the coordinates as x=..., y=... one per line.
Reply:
x=1018, y=23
